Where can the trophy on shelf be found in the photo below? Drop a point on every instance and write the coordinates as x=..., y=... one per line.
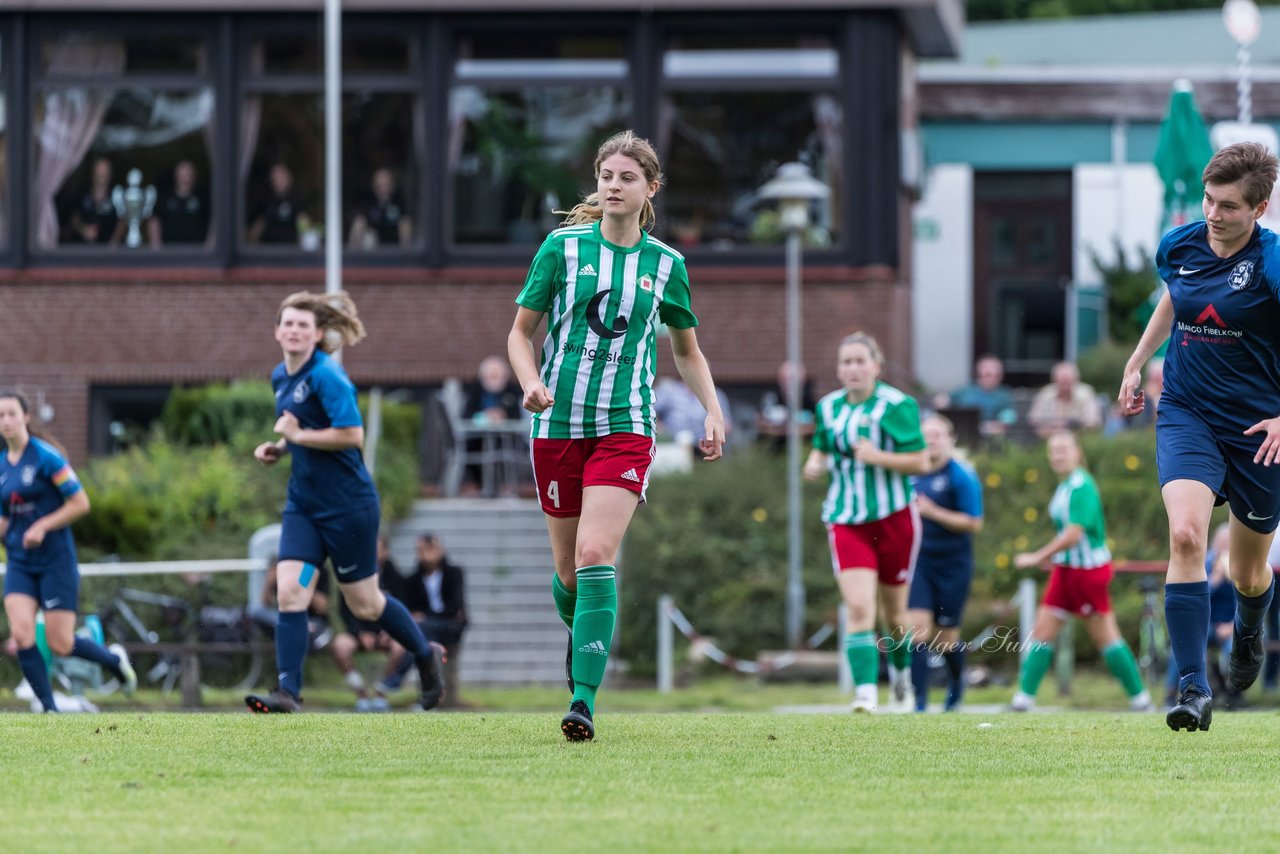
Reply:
x=134, y=204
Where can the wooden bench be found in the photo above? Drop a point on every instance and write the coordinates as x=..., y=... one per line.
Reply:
x=190, y=652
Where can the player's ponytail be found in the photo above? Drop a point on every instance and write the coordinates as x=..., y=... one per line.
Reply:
x=643, y=153
x=335, y=313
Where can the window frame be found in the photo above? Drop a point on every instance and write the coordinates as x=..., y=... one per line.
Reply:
x=415, y=82
x=203, y=27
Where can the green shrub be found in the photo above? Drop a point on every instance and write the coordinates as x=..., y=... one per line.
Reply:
x=218, y=414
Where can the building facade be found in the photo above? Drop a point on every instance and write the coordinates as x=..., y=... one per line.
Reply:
x=162, y=179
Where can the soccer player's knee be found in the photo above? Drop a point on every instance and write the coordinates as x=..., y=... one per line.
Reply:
x=366, y=609
x=594, y=554
x=292, y=597
x=1186, y=539
x=60, y=645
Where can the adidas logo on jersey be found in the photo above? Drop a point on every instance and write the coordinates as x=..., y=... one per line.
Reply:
x=595, y=648
x=586, y=270
x=631, y=475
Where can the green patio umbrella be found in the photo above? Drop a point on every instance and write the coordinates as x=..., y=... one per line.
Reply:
x=1182, y=152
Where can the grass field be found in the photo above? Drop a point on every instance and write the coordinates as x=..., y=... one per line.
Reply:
x=675, y=781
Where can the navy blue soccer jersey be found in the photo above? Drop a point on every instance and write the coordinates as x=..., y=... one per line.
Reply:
x=1223, y=360
x=322, y=483
x=955, y=486
x=31, y=489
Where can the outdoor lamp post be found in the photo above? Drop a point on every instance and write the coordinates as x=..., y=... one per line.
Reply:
x=1244, y=24
x=794, y=188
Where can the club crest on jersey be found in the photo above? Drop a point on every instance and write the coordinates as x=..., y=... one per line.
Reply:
x=301, y=391
x=1240, y=276
x=28, y=475
x=646, y=283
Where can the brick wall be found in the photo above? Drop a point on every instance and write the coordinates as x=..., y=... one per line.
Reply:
x=65, y=330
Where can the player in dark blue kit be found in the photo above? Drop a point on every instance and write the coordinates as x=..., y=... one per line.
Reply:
x=950, y=501
x=1218, y=430
x=332, y=508
x=39, y=498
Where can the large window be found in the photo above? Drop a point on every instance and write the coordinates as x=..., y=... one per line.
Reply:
x=122, y=131
x=732, y=110
x=283, y=153
x=526, y=116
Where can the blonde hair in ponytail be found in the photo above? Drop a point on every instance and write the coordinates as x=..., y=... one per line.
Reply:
x=335, y=314
x=629, y=145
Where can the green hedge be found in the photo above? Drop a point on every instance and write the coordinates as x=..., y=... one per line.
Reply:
x=716, y=540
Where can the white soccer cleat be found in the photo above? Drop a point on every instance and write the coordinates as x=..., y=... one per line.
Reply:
x=864, y=700
x=130, y=683
x=1142, y=702
x=1022, y=702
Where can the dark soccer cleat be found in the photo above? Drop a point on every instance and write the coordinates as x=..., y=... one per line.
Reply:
x=429, y=674
x=577, y=725
x=568, y=662
x=1193, y=711
x=276, y=703
x=1245, y=661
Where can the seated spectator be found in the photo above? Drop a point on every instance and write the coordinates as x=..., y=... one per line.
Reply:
x=279, y=217
x=383, y=219
x=988, y=394
x=772, y=420
x=436, y=596
x=1152, y=388
x=264, y=613
x=1065, y=403
x=359, y=635
x=95, y=219
x=680, y=415
x=182, y=216
x=494, y=397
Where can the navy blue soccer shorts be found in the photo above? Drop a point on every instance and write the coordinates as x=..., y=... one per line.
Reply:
x=941, y=586
x=349, y=540
x=1189, y=448
x=56, y=588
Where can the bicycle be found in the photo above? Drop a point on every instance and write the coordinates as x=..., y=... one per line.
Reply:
x=1153, y=637
x=131, y=613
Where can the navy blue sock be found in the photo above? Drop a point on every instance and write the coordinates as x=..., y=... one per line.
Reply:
x=399, y=623
x=1186, y=612
x=292, y=640
x=90, y=651
x=1271, y=669
x=920, y=675
x=1251, y=609
x=32, y=664
x=955, y=669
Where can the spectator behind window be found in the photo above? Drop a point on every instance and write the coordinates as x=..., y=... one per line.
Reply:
x=988, y=394
x=1065, y=403
x=279, y=217
x=95, y=219
x=382, y=220
x=183, y=213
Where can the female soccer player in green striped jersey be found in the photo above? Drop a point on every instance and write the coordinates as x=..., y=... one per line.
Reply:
x=868, y=437
x=1079, y=581
x=604, y=285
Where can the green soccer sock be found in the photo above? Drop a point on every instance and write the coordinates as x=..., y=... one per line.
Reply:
x=864, y=657
x=1121, y=663
x=593, y=621
x=900, y=653
x=1036, y=664
x=566, y=600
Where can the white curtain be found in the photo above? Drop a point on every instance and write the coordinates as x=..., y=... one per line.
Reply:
x=68, y=123
x=250, y=117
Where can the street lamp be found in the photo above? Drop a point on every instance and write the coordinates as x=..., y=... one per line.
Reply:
x=794, y=188
x=1244, y=25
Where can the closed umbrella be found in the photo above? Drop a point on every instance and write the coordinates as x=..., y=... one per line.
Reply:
x=1182, y=152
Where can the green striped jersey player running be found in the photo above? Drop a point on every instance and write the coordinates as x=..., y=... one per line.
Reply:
x=604, y=285
x=867, y=436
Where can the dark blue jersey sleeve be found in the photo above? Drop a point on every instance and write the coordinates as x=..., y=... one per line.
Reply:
x=968, y=490
x=337, y=394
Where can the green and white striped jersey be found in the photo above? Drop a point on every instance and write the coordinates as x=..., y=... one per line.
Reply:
x=603, y=303
x=860, y=493
x=1076, y=501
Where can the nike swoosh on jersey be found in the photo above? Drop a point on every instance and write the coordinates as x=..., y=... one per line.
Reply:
x=1183, y=271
